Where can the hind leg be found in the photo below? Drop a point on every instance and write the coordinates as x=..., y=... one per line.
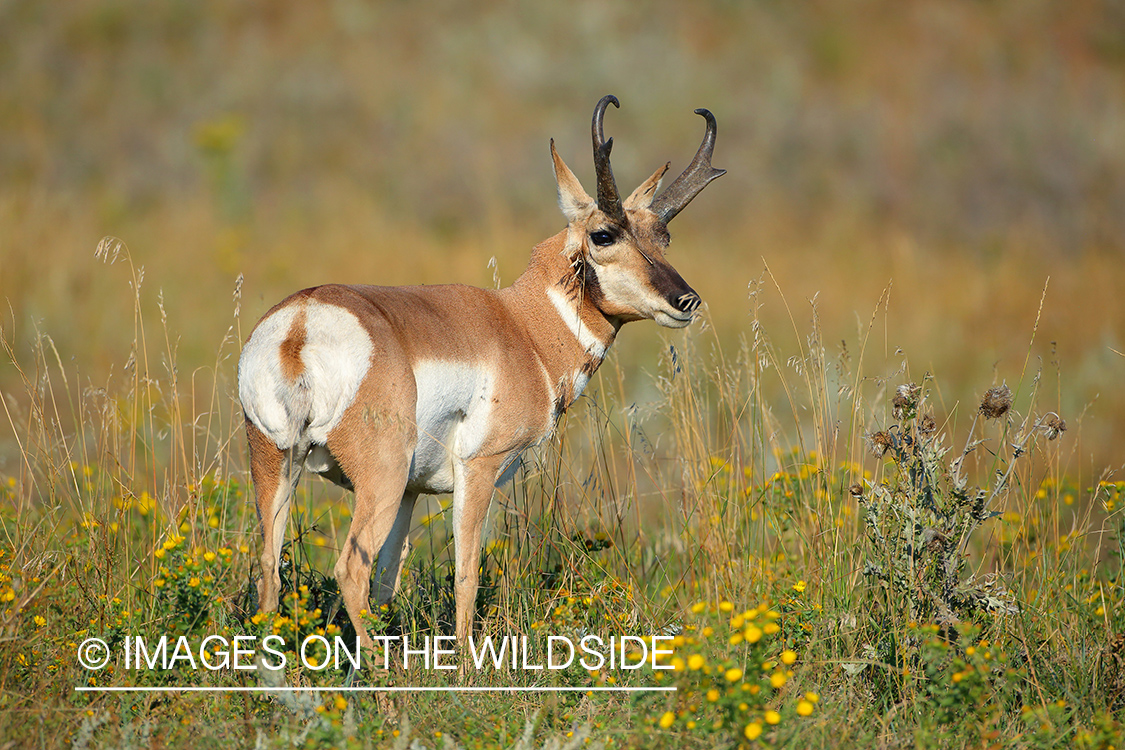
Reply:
x=375, y=454
x=375, y=505
x=275, y=473
x=388, y=569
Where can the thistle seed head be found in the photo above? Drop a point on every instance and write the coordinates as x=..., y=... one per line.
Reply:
x=1054, y=426
x=880, y=442
x=905, y=401
x=996, y=402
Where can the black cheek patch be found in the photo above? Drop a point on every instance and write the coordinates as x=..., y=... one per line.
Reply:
x=583, y=283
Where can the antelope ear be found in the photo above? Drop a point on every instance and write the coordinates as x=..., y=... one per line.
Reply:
x=646, y=191
x=573, y=200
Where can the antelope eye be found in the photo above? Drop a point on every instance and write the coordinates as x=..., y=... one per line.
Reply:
x=602, y=238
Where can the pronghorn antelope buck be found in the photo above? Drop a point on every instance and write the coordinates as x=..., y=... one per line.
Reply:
x=399, y=391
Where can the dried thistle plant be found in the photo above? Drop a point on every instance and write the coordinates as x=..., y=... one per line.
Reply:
x=923, y=514
x=921, y=517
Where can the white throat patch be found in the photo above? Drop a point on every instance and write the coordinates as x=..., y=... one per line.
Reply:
x=585, y=337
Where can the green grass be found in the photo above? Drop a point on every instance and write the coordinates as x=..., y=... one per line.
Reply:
x=829, y=575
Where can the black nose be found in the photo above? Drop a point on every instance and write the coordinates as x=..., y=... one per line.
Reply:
x=686, y=302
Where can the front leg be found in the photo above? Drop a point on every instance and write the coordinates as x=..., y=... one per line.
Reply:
x=473, y=483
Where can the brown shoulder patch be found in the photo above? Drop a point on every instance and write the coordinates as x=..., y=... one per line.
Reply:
x=290, y=350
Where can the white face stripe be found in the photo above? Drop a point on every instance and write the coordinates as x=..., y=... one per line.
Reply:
x=569, y=313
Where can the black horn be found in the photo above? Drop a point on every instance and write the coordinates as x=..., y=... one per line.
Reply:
x=609, y=200
x=692, y=180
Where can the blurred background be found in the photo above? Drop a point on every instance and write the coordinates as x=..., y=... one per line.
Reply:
x=956, y=153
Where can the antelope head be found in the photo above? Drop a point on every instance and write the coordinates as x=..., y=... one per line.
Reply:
x=617, y=247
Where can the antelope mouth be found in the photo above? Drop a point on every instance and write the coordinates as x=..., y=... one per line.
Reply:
x=674, y=319
x=679, y=311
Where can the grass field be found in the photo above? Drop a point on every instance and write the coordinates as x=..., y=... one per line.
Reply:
x=850, y=564
x=873, y=499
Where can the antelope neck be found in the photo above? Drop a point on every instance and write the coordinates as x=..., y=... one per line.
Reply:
x=574, y=335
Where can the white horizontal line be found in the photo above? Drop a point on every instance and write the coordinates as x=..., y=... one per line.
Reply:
x=369, y=689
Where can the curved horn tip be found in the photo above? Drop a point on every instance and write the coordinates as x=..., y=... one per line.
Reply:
x=599, y=114
x=694, y=178
x=706, y=115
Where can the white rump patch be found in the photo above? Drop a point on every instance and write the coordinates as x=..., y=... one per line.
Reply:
x=335, y=358
x=569, y=313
